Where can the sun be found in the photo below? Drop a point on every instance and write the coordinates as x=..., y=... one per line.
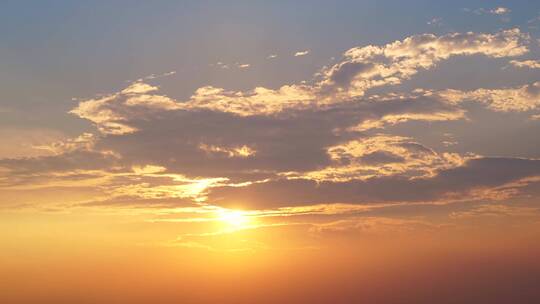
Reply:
x=234, y=218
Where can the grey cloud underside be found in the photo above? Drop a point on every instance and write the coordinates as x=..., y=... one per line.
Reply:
x=476, y=173
x=76, y=160
x=293, y=141
x=381, y=157
x=296, y=140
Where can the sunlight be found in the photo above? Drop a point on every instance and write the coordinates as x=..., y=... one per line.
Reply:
x=234, y=218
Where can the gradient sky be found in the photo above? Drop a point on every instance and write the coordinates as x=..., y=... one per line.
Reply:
x=215, y=137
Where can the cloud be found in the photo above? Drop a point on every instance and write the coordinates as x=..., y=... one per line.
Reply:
x=494, y=11
x=301, y=53
x=257, y=101
x=225, y=66
x=436, y=21
x=496, y=210
x=454, y=184
x=531, y=64
x=110, y=112
x=361, y=69
x=395, y=118
x=25, y=142
x=372, y=225
x=139, y=87
x=222, y=65
x=153, y=186
x=518, y=99
x=71, y=169
x=298, y=144
x=241, y=151
x=500, y=10
x=80, y=166
x=448, y=143
x=225, y=142
x=372, y=66
x=181, y=152
x=84, y=141
x=378, y=156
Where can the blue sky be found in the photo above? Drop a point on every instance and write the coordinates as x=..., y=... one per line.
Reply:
x=64, y=49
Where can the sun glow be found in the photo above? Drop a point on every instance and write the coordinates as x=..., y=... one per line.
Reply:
x=234, y=218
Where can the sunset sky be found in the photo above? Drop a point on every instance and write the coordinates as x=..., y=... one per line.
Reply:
x=269, y=151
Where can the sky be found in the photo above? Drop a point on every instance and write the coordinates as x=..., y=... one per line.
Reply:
x=269, y=151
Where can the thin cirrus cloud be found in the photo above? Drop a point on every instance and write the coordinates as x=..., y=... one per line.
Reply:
x=301, y=53
x=243, y=65
x=500, y=10
x=436, y=21
x=225, y=66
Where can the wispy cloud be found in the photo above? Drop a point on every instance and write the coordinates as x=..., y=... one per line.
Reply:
x=531, y=64
x=493, y=11
x=436, y=21
x=500, y=10
x=222, y=65
x=301, y=53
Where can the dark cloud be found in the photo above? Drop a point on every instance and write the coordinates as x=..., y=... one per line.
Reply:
x=295, y=141
x=381, y=157
x=476, y=173
x=76, y=160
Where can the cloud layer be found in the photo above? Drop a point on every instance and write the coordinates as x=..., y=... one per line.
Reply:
x=324, y=141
